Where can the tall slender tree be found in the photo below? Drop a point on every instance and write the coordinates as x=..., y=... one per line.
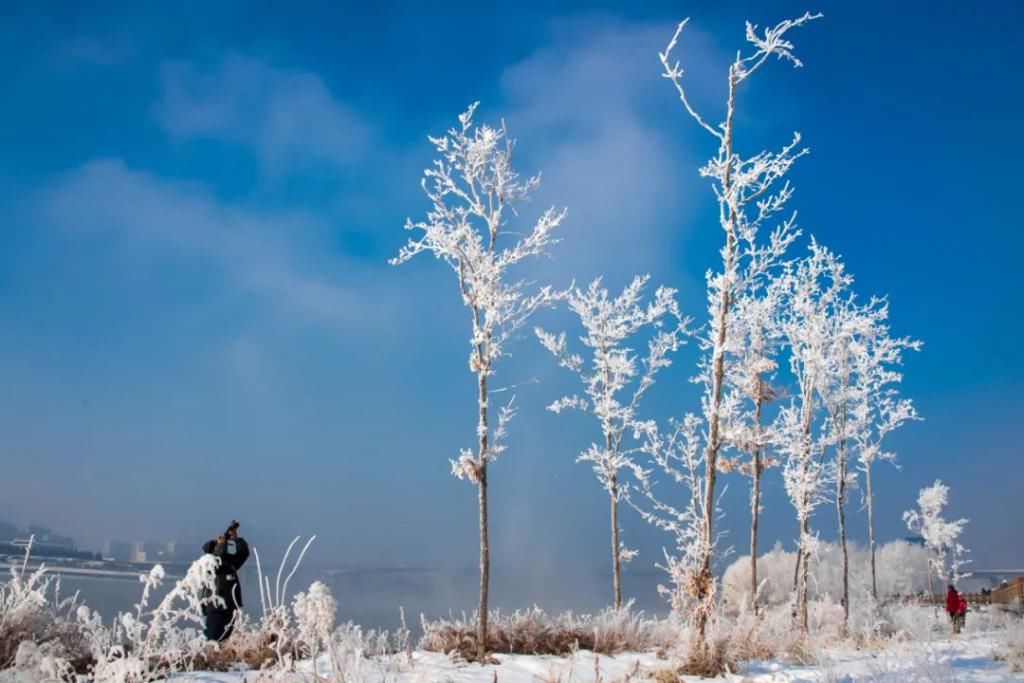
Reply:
x=838, y=389
x=615, y=379
x=859, y=355
x=474, y=190
x=749, y=390
x=878, y=409
x=748, y=194
x=813, y=289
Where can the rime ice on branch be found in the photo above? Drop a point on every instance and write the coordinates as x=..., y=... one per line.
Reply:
x=474, y=190
x=615, y=378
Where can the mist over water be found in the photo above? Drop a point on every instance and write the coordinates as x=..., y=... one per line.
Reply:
x=374, y=598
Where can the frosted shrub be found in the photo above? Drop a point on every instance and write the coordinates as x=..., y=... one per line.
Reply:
x=314, y=613
x=33, y=611
x=149, y=643
x=358, y=655
x=50, y=638
x=901, y=568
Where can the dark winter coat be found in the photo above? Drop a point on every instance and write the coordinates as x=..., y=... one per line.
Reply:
x=233, y=553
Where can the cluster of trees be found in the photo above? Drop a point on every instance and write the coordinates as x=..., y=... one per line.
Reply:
x=796, y=371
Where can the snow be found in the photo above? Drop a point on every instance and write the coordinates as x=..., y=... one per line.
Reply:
x=969, y=658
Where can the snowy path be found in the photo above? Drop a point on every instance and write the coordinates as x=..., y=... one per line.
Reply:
x=968, y=659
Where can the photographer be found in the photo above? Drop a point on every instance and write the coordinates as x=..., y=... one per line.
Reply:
x=233, y=552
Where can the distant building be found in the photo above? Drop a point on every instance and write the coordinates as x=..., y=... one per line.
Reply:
x=138, y=552
x=149, y=552
x=58, y=542
x=155, y=552
x=182, y=552
x=49, y=543
x=119, y=551
x=8, y=532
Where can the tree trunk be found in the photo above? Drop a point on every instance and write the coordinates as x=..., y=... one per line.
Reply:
x=803, y=514
x=871, y=530
x=616, y=576
x=610, y=446
x=804, y=575
x=841, y=506
x=704, y=581
x=796, y=569
x=755, y=505
x=485, y=551
x=841, y=511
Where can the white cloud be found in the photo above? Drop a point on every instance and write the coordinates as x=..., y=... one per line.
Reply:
x=288, y=116
x=105, y=196
x=591, y=110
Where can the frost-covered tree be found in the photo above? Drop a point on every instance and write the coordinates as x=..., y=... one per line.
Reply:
x=902, y=571
x=813, y=290
x=878, y=409
x=615, y=378
x=678, y=453
x=941, y=537
x=474, y=190
x=839, y=390
x=749, y=194
x=752, y=349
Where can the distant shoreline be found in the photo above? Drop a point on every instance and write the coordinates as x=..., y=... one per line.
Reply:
x=85, y=572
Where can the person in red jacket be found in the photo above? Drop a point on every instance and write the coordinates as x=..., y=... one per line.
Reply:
x=956, y=608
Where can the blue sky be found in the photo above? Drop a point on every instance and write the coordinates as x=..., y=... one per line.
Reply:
x=197, y=321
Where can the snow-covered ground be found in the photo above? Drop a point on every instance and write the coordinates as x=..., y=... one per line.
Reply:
x=967, y=658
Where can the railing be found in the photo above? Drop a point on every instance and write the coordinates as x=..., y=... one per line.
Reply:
x=1011, y=593
x=971, y=598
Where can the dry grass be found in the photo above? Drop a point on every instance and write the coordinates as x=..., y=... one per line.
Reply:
x=534, y=632
x=255, y=650
x=711, y=661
